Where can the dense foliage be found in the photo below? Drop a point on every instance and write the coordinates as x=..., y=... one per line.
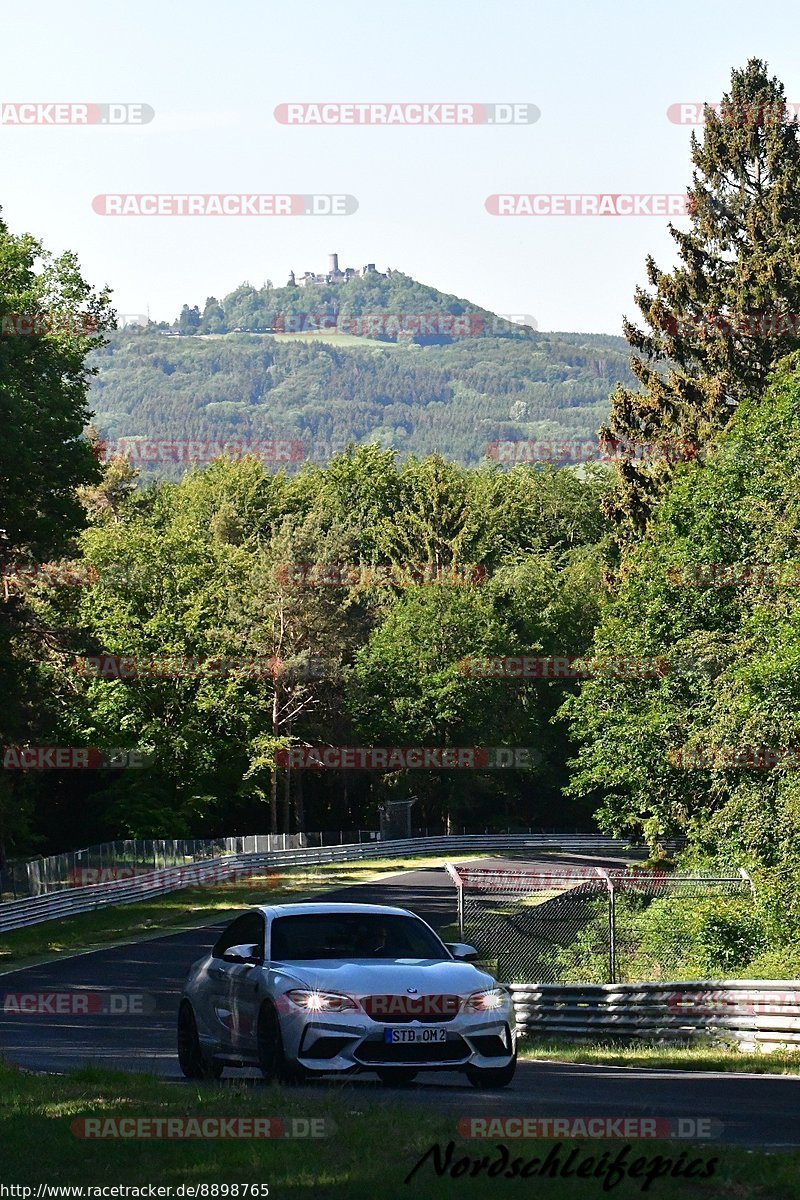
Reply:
x=454, y=399
x=43, y=458
x=202, y=570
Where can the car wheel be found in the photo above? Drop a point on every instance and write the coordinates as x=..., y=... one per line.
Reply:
x=393, y=1076
x=271, y=1054
x=193, y=1062
x=492, y=1077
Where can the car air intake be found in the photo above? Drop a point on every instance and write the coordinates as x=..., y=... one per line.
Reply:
x=381, y=1054
x=326, y=1047
x=490, y=1045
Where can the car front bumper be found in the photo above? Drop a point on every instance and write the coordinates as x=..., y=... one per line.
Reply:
x=325, y=1043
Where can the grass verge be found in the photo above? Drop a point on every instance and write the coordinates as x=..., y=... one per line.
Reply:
x=189, y=908
x=728, y=1057
x=373, y=1147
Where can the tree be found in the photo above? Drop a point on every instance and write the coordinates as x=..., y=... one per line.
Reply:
x=50, y=318
x=189, y=320
x=103, y=501
x=719, y=322
x=213, y=318
x=656, y=754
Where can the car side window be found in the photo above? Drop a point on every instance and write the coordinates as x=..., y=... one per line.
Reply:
x=246, y=930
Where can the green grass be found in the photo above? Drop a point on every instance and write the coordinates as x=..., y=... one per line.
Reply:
x=707, y=1057
x=336, y=339
x=189, y=908
x=375, y=1143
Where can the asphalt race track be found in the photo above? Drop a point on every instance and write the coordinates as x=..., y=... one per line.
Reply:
x=754, y=1110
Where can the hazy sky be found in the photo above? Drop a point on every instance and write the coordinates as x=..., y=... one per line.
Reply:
x=602, y=74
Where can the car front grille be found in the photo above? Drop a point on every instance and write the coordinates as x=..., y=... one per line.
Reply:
x=400, y=1010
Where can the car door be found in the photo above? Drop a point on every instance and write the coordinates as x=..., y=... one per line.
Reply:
x=244, y=986
x=228, y=981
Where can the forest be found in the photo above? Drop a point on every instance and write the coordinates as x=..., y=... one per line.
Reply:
x=453, y=399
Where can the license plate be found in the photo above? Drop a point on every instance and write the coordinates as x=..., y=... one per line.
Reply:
x=432, y=1034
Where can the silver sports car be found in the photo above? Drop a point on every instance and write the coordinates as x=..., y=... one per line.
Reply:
x=302, y=990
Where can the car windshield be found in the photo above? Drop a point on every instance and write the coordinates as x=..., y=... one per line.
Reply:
x=352, y=936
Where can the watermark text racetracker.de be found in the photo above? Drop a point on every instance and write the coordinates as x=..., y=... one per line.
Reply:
x=36, y=112
x=201, y=1128
x=764, y=324
x=744, y=757
x=199, y=875
x=406, y=113
x=528, y=666
x=693, y=112
x=399, y=325
x=636, y=1128
x=77, y=1003
x=402, y=758
x=167, y=450
x=40, y=324
x=71, y=758
x=741, y=574
x=116, y=666
x=585, y=450
x=224, y=204
x=587, y=204
x=195, y=875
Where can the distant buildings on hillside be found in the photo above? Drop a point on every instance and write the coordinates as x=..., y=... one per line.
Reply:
x=334, y=274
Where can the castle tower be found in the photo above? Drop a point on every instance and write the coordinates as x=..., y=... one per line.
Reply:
x=333, y=264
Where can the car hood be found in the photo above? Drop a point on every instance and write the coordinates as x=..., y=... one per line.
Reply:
x=389, y=976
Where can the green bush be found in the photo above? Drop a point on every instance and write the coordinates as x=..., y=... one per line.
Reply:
x=672, y=937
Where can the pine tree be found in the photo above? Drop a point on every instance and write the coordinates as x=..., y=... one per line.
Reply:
x=719, y=322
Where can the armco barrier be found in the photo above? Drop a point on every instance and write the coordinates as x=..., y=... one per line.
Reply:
x=16, y=914
x=754, y=1013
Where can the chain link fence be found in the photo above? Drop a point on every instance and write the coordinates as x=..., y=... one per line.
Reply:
x=591, y=925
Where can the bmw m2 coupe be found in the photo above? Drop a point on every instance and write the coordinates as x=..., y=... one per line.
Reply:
x=302, y=990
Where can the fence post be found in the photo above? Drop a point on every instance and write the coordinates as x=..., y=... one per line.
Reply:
x=612, y=932
x=459, y=882
x=612, y=925
x=748, y=880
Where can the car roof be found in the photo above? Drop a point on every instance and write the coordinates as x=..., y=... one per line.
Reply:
x=321, y=909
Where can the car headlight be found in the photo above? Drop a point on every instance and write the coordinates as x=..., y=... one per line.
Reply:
x=323, y=1002
x=488, y=1001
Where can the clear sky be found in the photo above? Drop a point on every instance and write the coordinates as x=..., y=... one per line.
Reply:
x=602, y=74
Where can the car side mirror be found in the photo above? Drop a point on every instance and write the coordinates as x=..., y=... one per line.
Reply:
x=242, y=954
x=462, y=951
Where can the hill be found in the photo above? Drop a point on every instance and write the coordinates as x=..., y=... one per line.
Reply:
x=455, y=390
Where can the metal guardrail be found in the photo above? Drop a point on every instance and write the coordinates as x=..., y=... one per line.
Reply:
x=130, y=856
x=755, y=1014
x=17, y=914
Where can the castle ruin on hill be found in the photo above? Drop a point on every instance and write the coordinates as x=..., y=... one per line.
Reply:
x=334, y=274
